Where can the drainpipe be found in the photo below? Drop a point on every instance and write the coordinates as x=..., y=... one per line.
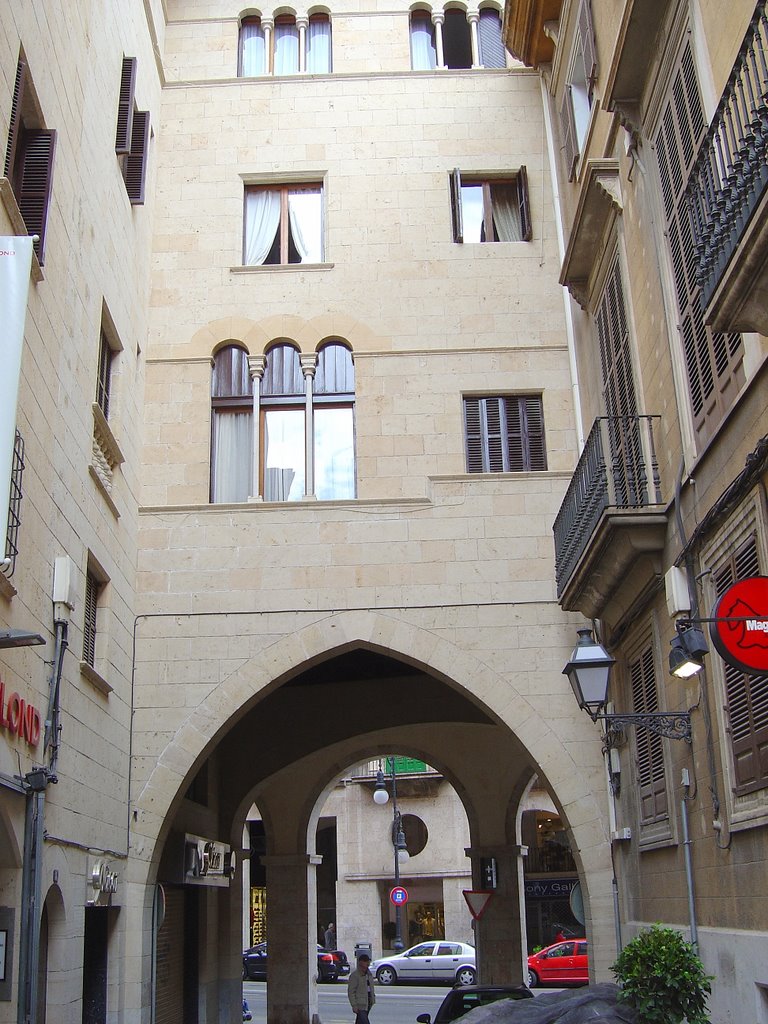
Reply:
x=35, y=783
x=688, y=862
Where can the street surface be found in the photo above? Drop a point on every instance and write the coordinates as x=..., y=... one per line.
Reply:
x=397, y=1005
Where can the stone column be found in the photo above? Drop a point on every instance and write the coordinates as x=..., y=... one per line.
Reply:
x=256, y=365
x=438, y=20
x=301, y=24
x=500, y=933
x=268, y=26
x=292, y=937
x=473, y=17
x=308, y=367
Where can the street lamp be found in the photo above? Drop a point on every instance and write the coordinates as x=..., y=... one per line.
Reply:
x=589, y=671
x=399, y=847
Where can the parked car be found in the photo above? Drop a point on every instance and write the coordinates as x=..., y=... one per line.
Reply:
x=563, y=963
x=463, y=998
x=331, y=964
x=441, y=960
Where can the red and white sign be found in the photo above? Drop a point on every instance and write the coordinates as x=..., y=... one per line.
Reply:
x=477, y=901
x=398, y=896
x=19, y=718
x=740, y=629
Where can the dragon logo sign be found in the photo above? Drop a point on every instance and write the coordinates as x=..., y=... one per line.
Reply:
x=740, y=629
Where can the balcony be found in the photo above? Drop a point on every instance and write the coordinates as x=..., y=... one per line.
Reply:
x=727, y=193
x=611, y=527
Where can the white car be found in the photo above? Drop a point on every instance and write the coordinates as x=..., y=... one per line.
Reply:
x=441, y=960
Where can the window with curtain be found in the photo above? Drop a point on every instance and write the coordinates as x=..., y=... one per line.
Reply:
x=283, y=224
x=285, y=45
x=505, y=434
x=252, y=54
x=231, y=426
x=576, y=103
x=423, y=49
x=284, y=425
x=457, y=40
x=334, y=441
x=492, y=53
x=491, y=210
x=319, y=60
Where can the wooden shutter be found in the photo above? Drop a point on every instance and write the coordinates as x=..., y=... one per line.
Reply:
x=125, y=106
x=568, y=131
x=14, y=127
x=713, y=362
x=457, y=220
x=651, y=774
x=89, y=619
x=473, y=435
x=34, y=189
x=526, y=450
x=586, y=32
x=526, y=230
x=489, y=36
x=536, y=449
x=136, y=162
x=746, y=695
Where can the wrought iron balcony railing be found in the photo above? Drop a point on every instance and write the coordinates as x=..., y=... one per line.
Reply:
x=730, y=175
x=618, y=469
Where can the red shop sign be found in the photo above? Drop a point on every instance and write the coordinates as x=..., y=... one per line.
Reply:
x=740, y=629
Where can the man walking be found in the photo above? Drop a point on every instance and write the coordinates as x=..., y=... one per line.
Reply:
x=360, y=989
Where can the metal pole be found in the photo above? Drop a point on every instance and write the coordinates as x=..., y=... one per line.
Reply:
x=689, y=864
x=398, y=943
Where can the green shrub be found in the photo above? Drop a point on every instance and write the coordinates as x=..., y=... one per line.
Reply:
x=662, y=977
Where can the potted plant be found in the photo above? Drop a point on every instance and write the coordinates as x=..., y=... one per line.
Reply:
x=662, y=977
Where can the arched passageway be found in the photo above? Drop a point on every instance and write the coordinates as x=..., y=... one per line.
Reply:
x=285, y=746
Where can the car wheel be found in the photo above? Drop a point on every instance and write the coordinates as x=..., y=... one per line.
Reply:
x=533, y=978
x=466, y=976
x=386, y=976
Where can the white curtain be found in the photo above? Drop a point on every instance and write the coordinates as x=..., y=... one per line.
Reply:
x=262, y=221
x=305, y=216
x=232, y=456
x=423, y=54
x=252, y=52
x=506, y=213
x=286, y=49
x=319, y=46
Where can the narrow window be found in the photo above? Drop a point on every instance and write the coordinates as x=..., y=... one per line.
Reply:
x=423, y=49
x=14, y=506
x=125, y=106
x=334, y=440
x=319, y=45
x=713, y=361
x=132, y=135
x=491, y=210
x=90, y=610
x=29, y=159
x=492, y=53
x=576, y=103
x=285, y=55
x=231, y=426
x=457, y=40
x=251, y=50
x=505, y=435
x=651, y=771
x=746, y=695
x=283, y=446
x=283, y=224
x=104, y=380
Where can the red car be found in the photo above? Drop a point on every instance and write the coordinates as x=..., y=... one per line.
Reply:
x=564, y=963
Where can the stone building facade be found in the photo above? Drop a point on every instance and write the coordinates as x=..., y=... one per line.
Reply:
x=300, y=397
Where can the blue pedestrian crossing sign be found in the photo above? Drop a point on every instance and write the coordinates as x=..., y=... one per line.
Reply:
x=399, y=896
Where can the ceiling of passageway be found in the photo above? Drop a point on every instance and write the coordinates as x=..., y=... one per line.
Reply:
x=352, y=694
